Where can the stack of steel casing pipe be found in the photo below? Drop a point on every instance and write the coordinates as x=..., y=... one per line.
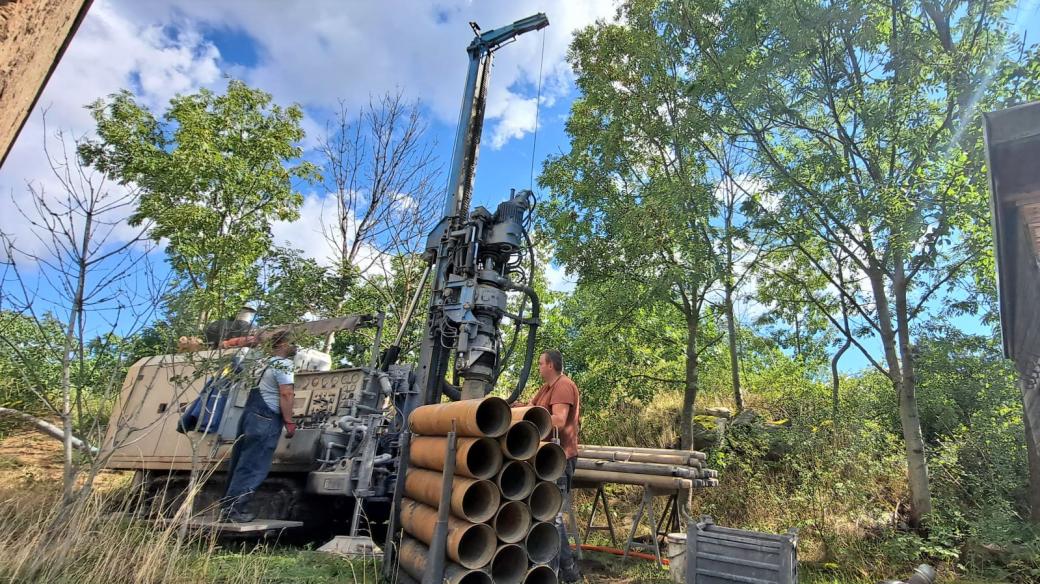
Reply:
x=655, y=467
x=503, y=496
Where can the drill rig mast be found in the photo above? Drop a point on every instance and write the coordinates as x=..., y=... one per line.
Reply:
x=472, y=255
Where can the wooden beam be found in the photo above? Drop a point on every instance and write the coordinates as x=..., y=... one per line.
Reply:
x=33, y=37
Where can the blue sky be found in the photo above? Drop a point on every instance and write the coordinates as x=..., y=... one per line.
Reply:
x=317, y=53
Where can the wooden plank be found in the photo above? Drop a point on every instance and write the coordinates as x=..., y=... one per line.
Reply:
x=255, y=526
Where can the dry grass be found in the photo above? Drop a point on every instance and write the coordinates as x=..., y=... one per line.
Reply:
x=94, y=541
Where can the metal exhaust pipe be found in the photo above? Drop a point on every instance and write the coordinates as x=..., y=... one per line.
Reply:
x=520, y=441
x=414, y=559
x=538, y=416
x=472, y=545
x=509, y=565
x=542, y=542
x=541, y=575
x=545, y=501
x=471, y=499
x=512, y=522
x=516, y=480
x=473, y=417
x=478, y=458
x=550, y=461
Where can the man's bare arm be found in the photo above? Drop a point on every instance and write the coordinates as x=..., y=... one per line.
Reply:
x=559, y=414
x=286, y=396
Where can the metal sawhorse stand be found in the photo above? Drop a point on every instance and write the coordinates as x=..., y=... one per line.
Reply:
x=670, y=520
x=600, y=498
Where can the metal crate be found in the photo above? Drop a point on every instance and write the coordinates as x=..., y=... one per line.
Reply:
x=720, y=555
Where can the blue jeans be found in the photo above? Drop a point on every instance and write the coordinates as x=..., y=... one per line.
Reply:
x=251, y=456
x=568, y=568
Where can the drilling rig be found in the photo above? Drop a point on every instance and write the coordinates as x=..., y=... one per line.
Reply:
x=344, y=462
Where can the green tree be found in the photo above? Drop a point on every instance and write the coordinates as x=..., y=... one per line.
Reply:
x=632, y=199
x=864, y=115
x=214, y=172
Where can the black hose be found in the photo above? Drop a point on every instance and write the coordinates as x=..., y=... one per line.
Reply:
x=533, y=323
x=453, y=393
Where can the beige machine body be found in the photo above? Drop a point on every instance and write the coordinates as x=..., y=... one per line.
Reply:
x=143, y=428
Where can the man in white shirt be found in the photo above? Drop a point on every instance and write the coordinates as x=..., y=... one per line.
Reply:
x=268, y=408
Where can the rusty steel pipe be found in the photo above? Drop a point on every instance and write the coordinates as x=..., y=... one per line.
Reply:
x=516, y=480
x=472, y=545
x=414, y=560
x=550, y=461
x=473, y=417
x=545, y=501
x=512, y=522
x=542, y=542
x=602, y=476
x=520, y=441
x=477, y=458
x=541, y=575
x=474, y=500
x=509, y=565
x=538, y=416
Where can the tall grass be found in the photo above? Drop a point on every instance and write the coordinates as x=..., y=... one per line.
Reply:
x=96, y=541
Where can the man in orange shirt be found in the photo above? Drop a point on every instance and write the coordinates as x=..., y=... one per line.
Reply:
x=560, y=396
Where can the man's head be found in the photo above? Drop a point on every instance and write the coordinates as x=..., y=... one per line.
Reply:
x=282, y=344
x=247, y=313
x=550, y=365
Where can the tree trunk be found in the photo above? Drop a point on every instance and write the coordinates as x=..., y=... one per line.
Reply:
x=734, y=355
x=690, y=390
x=49, y=429
x=836, y=379
x=901, y=370
x=69, y=474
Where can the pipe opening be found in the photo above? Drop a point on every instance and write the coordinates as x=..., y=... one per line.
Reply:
x=476, y=577
x=493, y=417
x=480, y=501
x=512, y=522
x=542, y=420
x=509, y=565
x=545, y=501
x=541, y=575
x=550, y=462
x=484, y=458
x=516, y=480
x=521, y=441
x=543, y=543
x=477, y=546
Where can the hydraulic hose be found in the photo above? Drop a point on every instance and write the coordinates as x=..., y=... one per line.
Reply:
x=532, y=323
x=453, y=393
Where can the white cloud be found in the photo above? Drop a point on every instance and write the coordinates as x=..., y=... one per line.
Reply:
x=108, y=53
x=558, y=279
x=315, y=233
x=308, y=233
x=516, y=118
x=316, y=53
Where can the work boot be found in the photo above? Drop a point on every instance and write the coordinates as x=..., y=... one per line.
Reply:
x=237, y=516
